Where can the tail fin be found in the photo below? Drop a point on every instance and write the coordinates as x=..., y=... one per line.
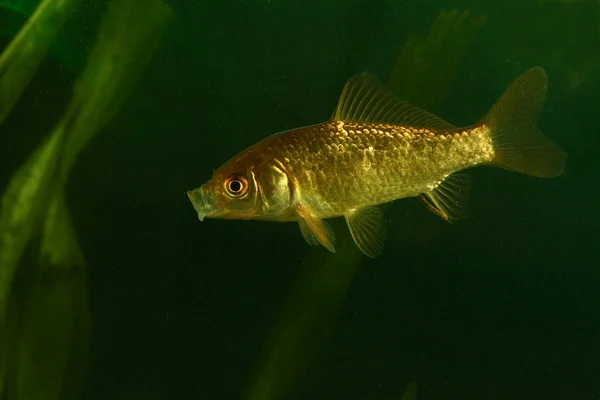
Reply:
x=518, y=144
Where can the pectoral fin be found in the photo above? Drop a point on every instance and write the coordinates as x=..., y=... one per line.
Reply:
x=307, y=233
x=368, y=228
x=315, y=230
x=450, y=198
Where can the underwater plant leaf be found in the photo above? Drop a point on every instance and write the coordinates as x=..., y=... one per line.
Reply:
x=114, y=67
x=98, y=94
x=25, y=7
x=59, y=244
x=44, y=325
x=427, y=65
x=21, y=59
x=410, y=393
x=307, y=317
x=21, y=209
x=53, y=336
x=20, y=213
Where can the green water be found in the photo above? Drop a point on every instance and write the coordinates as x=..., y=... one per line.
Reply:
x=502, y=305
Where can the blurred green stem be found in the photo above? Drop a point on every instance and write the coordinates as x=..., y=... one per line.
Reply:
x=427, y=65
x=20, y=60
x=308, y=315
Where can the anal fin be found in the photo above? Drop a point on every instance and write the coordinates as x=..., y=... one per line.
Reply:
x=315, y=230
x=368, y=229
x=450, y=198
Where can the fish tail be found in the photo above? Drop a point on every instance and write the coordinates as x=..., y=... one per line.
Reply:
x=518, y=144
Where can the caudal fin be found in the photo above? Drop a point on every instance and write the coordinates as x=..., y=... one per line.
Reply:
x=518, y=144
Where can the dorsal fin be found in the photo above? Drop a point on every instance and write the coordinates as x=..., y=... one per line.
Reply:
x=365, y=99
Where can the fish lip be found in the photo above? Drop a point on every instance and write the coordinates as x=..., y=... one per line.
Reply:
x=200, y=203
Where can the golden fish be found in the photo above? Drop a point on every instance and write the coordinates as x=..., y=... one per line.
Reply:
x=375, y=149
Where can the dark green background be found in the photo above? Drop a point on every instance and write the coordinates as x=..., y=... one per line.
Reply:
x=502, y=305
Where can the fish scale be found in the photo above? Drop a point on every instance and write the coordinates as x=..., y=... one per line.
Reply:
x=402, y=162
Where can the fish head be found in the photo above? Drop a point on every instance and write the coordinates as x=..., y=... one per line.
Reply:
x=244, y=188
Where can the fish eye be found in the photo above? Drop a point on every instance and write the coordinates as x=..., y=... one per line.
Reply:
x=236, y=186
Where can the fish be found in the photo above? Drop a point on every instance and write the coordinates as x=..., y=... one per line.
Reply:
x=377, y=148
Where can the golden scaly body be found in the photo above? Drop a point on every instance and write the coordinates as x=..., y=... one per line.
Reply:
x=340, y=166
x=377, y=148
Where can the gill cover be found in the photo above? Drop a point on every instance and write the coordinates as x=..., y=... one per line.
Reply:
x=274, y=188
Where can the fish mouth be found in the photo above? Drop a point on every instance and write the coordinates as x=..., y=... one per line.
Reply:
x=201, y=203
